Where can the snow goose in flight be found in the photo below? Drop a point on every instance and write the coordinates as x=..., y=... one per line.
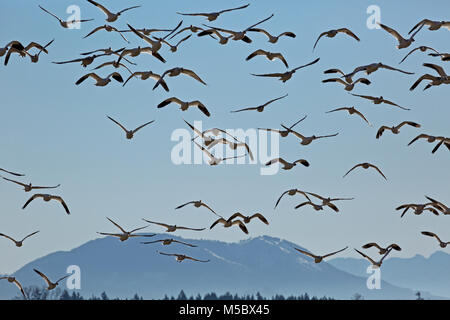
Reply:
x=418, y=208
x=144, y=75
x=260, y=108
x=440, y=206
x=157, y=43
x=84, y=61
x=17, y=47
x=172, y=228
x=101, y=82
x=167, y=242
x=174, y=72
x=334, y=32
x=12, y=173
x=65, y=24
x=213, y=161
x=181, y=257
x=213, y=15
x=4, y=50
x=174, y=48
x=291, y=192
x=421, y=48
x=113, y=63
x=379, y=100
x=443, y=56
x=50, y=285
x=434, y=81
x=328, y=200
x=351, y=111
x=318, y=259
x=382, y=250
x=129, y=134
x=286, y=75
x=197, y=204
x=366, y=165
x=206, y=139
x=269, y=55
x=349, y=86
x=35, y=57
x=273, y=39
x=375, y=263
x=402, y=42
x=228, y=223
x=368, y=69
x=47, y=198
x=211, y=32
x=233, y=145
x=17, y=283
x=125, y=235
x=134, y=52
x=308, y=140
x=18, y=243
x=431, y=139
x=443, y=78
x=192, y=28
x=109, y=51
x=107, y=28
x=283, y=133
x=396, y=129
x=287, y=165
x=240, y=35
x=28, y=187
x=185, y=105
x=110, y=16
x=214, y=132
x=317, y=207
x=432, y=25
x=348, y=77
x=247, y=219
x=442, y=244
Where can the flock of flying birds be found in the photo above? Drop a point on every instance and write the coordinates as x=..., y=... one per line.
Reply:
x=153, y=47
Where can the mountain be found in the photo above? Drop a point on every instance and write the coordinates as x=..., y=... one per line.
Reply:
x=265, y=264
x=418, y=273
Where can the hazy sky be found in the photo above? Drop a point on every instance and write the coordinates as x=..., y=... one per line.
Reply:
x=57, y=132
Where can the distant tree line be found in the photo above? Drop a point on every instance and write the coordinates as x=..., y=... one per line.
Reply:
x=41, y=293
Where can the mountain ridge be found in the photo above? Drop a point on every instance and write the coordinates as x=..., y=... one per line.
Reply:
x=262, y=264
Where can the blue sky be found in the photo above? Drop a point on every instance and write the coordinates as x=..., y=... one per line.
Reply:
x=57, y=132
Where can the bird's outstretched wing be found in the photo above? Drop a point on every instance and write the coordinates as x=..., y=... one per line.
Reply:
x=309, y=254
x=333, y=253
x=142, y=126
x=43, y=276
